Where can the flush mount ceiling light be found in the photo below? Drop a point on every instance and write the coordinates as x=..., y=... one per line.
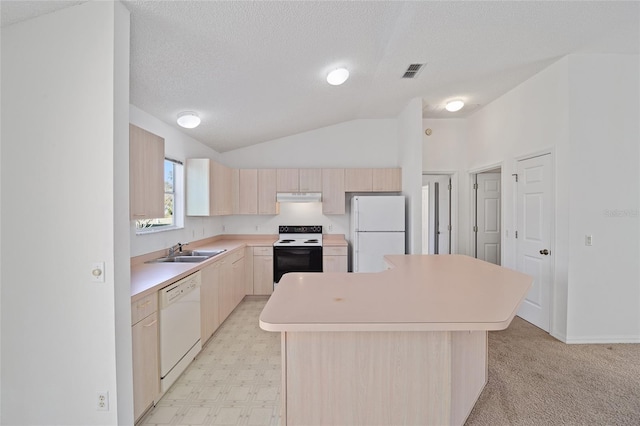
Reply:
x=454, y=106
x=188, y=119
x=338, y=76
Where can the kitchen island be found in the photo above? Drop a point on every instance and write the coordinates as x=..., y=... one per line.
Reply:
x=406, y=346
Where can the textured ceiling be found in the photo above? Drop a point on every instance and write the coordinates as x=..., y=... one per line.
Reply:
x=256, y=71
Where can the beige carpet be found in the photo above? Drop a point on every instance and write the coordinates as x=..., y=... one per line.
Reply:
x=536, y=380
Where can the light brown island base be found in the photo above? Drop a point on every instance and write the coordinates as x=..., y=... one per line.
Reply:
x=407, y=346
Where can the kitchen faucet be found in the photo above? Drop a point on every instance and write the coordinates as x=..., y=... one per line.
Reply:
x=178, y=247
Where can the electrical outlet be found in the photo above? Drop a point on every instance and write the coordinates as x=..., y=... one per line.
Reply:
x=329, y=227
x=103, y=401
x=588, y=240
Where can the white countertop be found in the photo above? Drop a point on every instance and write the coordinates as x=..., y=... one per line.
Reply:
x=419, y=292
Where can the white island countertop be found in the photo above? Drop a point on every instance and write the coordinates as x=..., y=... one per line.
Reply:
x=418, y=293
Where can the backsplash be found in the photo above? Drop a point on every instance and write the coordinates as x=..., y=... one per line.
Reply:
x=198, y=228
x=290, y=214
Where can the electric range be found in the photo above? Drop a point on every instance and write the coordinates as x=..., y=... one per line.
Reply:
x=298, y=249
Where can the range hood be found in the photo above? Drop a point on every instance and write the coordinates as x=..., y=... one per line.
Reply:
x=299, y=197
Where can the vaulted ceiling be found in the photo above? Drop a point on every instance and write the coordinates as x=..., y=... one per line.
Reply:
x=255, y=71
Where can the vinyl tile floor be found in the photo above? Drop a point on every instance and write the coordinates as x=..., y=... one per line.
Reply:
x=235, y=380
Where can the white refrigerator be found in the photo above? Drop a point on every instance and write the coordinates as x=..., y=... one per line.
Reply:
x=377, y=229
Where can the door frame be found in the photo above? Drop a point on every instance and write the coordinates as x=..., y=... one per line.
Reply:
x=552, y=237
x=472, y=202
x=453, y=175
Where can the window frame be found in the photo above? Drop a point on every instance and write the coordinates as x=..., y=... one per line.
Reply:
x=178, y=203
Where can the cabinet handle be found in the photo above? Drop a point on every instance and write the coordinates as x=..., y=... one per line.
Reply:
x=144, y=305
x=151, y=323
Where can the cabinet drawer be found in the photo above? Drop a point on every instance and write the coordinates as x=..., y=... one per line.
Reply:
x=334, y=251
x=262, y=251
x=144, y=307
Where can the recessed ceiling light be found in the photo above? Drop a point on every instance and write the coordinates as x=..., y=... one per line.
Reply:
x=454, y=106
x=338, y=76
x=188, y=119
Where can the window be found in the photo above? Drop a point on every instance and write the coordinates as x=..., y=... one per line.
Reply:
x=173, y=201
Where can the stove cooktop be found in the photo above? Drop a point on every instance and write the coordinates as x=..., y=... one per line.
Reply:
x=299, y=236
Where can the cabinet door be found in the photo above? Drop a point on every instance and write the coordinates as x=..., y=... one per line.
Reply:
x=198, y=196
x=310, y=180
x=287, y=180
x=332, y=263
x=235, y=191
x=146, y=174
x=248, y=270
x=225, y=298
x=248, y=202
x=263, y=275
x=220, y=185
x=333, y=193
x=358, y=180
x=146, y=376
x=209, y=289
x=267, y=191
x=238, y=281
x=387, y=180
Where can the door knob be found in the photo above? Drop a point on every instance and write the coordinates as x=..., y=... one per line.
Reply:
x=544, y=252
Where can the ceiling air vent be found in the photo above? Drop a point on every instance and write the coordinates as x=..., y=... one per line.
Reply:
x=412, y=70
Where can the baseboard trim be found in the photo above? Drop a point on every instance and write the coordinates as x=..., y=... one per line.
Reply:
x=602, y=340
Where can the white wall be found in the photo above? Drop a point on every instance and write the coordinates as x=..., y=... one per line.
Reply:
x=568, y=110
x=445, y=152
x=604, y=179
x=177, y=146
x=122, y=274
x=357, y=143
x=410, y=159
x=62, y=131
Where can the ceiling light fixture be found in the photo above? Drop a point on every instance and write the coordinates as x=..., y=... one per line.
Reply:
x=338, y=76
x=454, y=106
x=188, y=119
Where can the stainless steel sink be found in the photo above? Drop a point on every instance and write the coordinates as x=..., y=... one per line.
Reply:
x=208, y=253
x=188, y=256
x=188, y=259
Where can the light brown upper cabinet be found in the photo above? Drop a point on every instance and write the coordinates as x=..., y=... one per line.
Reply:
x=146, y=174
x=248, y=191
x=287, y=180
x=299, y=180
x=208, y=188
x=333, y=193
x=358, y=180
x=387, y=180
x=310, y=180
x=267, y=184
x=373, y=180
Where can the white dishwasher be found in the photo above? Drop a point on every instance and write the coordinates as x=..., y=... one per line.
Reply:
x=179, y=327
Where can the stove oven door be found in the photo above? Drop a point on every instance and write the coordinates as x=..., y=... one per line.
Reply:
x=296, y=259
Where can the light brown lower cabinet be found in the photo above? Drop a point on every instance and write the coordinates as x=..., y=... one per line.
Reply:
x=209, y=289
x=232, y=284
x=263, y=270
x=334, y=259
x=146, y=375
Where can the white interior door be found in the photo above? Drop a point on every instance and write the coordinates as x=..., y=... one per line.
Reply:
x=534, y=216
x=439, y=217
x=488, y=217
